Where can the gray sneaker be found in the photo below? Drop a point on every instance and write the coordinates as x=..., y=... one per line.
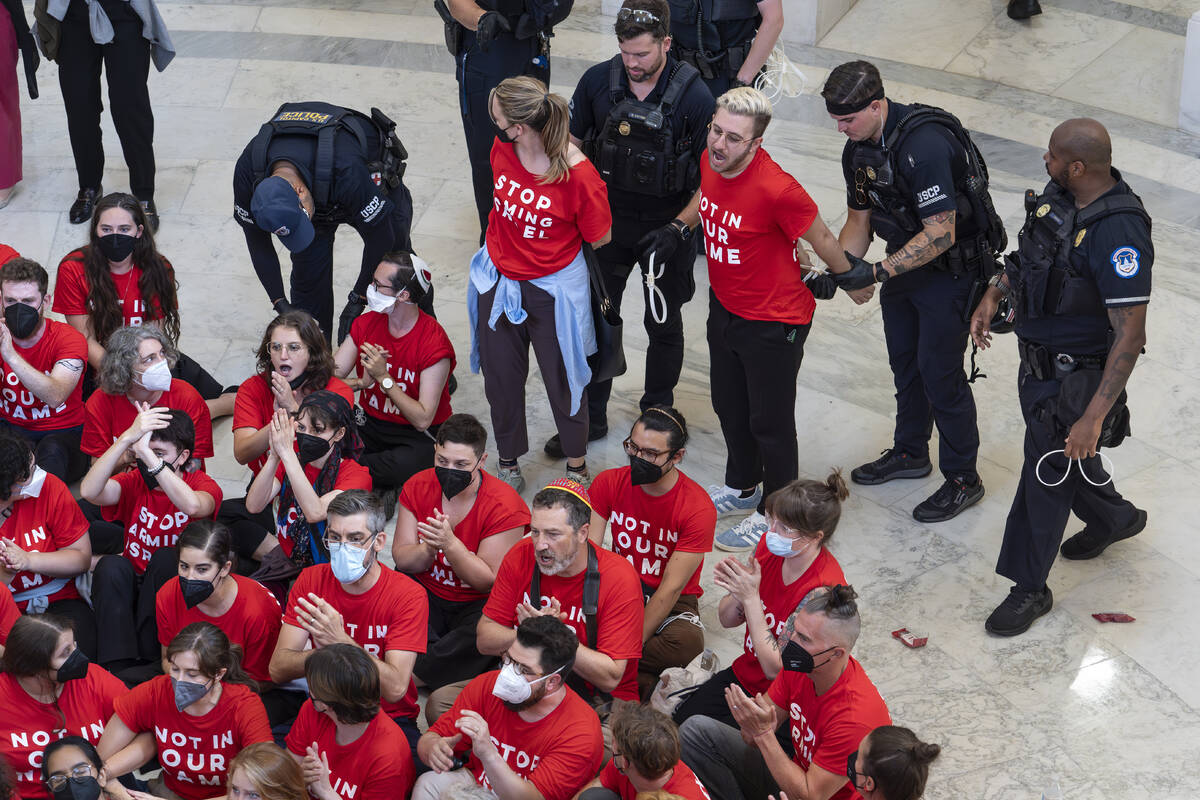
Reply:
x=512, y=476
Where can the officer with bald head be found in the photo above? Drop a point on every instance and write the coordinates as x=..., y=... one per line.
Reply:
x=1080, y=284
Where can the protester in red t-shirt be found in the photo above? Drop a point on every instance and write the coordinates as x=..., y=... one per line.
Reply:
x=9, y=613
x=7, y=253
x=645, y=759
x=518, y=726
x=41, y=364
x=47, y=687
x=44, y=544
x=786, y=566
x=207, y=589
x=346, y=744
x=891, y=762
x=266, y=771
x=71, y=767
x=557, y=554
x=822, y=699
x=662, y=522
x=528, y=284
x=356, y=600
x=119, y=278
x=311, y=461
x=402, y=359
x=200, y=716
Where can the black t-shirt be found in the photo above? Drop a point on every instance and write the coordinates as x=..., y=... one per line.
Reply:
x=1117, y=253
x=717, y=35
x=592, y=102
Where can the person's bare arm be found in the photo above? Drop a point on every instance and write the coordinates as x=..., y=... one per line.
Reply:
x=601, y=671
x=287, y=662
x=771, y=12
x=83, y=324
x=679, y=569
x=409, y=553
x=826, y=245
x=1129, y=330
x=492, y=638
x=467, y=12
x=855, y=237
x=52, y=389
x=935, y=237
x=395, y=673
x=479, y=569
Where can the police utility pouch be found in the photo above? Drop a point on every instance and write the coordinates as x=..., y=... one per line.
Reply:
x=1077, y=389
x=608, y=362
x=453, y=29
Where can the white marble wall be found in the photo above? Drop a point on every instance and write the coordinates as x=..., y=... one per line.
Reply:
x=1189, y=92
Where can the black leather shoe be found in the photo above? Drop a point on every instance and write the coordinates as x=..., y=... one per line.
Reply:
x=84, y=205
x=1023, y=9
x=554, y=449
x=151, y=214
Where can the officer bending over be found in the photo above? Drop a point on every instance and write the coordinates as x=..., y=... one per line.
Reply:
x=727, y=40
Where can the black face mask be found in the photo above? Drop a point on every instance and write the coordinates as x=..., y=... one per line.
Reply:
x=797, y=659
x=298, y=381
x=116, y=246
x=642, y=471
x=22, y=320
x=195, y=591
x=79, y=789
x=453, y=481
x=311, y=447
x=151, y=481
x=74, y=668
x=502, y=134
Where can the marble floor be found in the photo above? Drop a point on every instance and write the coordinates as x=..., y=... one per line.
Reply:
x=1107, y=711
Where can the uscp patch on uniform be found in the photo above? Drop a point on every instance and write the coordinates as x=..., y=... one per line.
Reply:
x=1126, y=261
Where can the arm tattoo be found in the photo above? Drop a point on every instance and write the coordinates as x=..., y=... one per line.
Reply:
x=1126, y=348
x=926, y=245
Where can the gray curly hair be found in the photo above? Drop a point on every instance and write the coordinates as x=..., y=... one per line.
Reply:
x=121, y=353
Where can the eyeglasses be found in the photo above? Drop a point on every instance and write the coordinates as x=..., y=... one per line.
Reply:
x=773, y=524
x=292, y=347
x=353, y=539
x=78, y=772
x=731, y=139
x=638, y=15
x=644, y=452
x=522, y=670
x=852, y=774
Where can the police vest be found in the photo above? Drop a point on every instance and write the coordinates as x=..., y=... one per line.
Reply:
x=1051, y=275
x=637, y=149
x=978, y=228
x=701, y=11
x=323, y=121
x=544, y=14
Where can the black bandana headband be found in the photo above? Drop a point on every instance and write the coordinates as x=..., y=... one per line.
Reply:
x=842, y=109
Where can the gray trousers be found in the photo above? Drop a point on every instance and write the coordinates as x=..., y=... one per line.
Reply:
x=728, y=767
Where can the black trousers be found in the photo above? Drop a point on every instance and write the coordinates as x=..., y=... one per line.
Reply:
x=753, y=366
x=1039, y=514
x=124, y=604
x=55, y=451
x=477, y=73
x=83, y=621
x=451, y=655
x=709, y=701
x=394, y=453
x=126, y=63
x=664, y=356
x=926, y=338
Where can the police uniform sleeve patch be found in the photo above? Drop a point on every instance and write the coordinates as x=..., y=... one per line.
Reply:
x=1125, y=261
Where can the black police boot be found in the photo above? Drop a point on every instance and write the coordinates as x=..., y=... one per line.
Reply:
x=84, y=205
x=949, y=501
x=894, y=463
x=1023, y=9
x=553, y=446
x=151, y=212
x=355, y=305
x=1018, y=611
x=1089, y=544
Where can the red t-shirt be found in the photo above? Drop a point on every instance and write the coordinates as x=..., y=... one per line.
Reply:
x=618, y=613
x=253, y=621
x=9, y=613
x=497, y=508
x=558, y=754
x=20, y=407
x=107, y=416
x=535, y=229
x=195, y=751
x=751, y=224
x=779, y=600
x=409, y=356
x=7, y=254
x=683, y=782
x=46, y=523
x=71, y=290
x=827, y=728
x=151, y=520
x=351, y=475
x=255, y=404
x=646, y=530
x=391, y=615
x=84, y=708
x=375, y=766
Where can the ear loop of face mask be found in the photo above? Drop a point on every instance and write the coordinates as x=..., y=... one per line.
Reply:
x=1105, y=461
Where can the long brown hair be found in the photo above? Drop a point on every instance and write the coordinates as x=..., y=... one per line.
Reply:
x=156, y=284
x=526, y=101
x=320, y=357
x=214, y=652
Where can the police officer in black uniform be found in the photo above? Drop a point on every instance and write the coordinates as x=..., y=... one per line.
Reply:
x=641, y=118
x=727, y=40
x=492, y=40
x=907, y=171
x=312, y=167
x=1080, y=283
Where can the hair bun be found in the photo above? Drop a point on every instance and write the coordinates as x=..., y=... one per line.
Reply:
x=837, y=485
x=924, y=752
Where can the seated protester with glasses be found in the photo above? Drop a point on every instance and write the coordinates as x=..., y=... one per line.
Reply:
x=44, y=543
x=342, y=739
x=206, y=589
x=119, y=278
x=71, y=768
x=891, y=763
x=41, y=364
x=454, y=527
x=47, y=686
x=311, y=461
x=822, y=698
x=788, y=563
x=356, y=600
x=151, y=505
x=402, y=359
x=645, y=759
x=550, y=573
x=518, y=733
x=663, y=523
x=265, y=771
x=194, y=720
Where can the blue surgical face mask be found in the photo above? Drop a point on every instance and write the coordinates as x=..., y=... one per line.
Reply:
x=779, y=545
x=349, y=563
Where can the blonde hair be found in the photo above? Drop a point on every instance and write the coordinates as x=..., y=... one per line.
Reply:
x=526, y=101
x=746, y=101
x=274, y=773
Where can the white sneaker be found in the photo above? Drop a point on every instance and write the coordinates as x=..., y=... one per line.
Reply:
x=730, y=501
x=743, y=536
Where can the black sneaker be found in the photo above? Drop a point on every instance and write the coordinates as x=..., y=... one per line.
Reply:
x=553, y=447
x=949, y=501
x=894, y=463
x=1088, y=544
x=1018, y=611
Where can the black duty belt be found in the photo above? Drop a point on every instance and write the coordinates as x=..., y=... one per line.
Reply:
x=1045, y=364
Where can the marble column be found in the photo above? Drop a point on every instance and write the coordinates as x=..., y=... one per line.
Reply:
x=1189, y=90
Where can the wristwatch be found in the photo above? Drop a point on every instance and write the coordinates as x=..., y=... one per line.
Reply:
x=387, y=383
x=881, y=274
x=682, y=228
x=162, y=464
